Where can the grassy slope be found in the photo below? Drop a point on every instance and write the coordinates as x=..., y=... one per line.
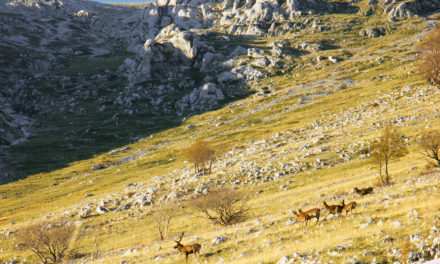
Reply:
x=364, y=60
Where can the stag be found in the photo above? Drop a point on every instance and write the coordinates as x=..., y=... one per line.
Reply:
x=363, y=192
x=188, y=249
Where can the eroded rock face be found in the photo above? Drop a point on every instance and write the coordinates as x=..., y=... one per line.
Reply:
x=14, y=127
x=298, y=7
x=406, y=9
x=202, y=98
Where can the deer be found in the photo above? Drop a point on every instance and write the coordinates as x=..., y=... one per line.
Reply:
x=188, y=249
x=349, y=207
x=313, y=213
x=302, y=216
x=335, y=209
x=363, y=192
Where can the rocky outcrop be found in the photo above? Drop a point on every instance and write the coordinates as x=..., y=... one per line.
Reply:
x=182, y=44
x=298, y=7
x=404, y=9
x=14, y=127
x=202, y=98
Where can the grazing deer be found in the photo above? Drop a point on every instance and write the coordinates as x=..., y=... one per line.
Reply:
x=363, y=192
x=349, y=207
x=313, y=213
x=335, y=209
x=188, y=249
x=302, y=216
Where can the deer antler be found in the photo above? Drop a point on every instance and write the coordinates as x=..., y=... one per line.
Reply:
x=180, y=238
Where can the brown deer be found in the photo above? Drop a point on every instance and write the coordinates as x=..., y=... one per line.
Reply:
x=335, y=209
x=188, y=249
x=349, y=207
x=363, y=192
x=302, y=216
x=313, y=213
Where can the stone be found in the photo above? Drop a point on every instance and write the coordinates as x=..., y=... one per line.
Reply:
x=201, y=98
x=218, y=240
x=285, y=260
x=334, y=59
x=300, y=7
x=97, y=167
x=102, y=210
x=372, y=32
x=210, y=62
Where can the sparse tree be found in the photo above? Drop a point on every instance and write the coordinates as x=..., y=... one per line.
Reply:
x=429, y=142
x=223, y=206
x=49, y=241
x=97, y=240
x=429, y=58
x=389, y=146
x=202, y=154
x=163, y=213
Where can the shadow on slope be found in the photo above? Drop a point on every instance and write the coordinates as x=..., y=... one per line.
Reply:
x=86, y=121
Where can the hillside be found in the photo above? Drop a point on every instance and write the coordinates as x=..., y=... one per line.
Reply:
x=290, y=94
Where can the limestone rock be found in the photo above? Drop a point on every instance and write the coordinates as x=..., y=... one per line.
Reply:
x=201, y=98
x=402, y=10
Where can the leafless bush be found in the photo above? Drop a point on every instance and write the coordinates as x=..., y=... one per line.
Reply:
x=429, y=143
x=429, y=58
x=223, y=206
x=162, y=216
x=202, y=154
x=49, y=241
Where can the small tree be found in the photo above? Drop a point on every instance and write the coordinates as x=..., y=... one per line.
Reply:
x=223, y=206
x=49, y=241
x=202, y=154
x=429, y=142
x=162, y=215
x=429, y=58
x=97, y=240
x=389, y=146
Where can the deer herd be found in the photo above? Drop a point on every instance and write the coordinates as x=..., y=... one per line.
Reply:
x=333, y=209
x=336, y=209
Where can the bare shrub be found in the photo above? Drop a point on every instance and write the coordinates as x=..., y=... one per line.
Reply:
x=389, y=146
x=162, y=215
x=223, y=206
x=202, y=154
x=49, y=241
x=429, y=58
x=429, y=143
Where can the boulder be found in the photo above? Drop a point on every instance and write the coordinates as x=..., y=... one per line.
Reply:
x=184, y=43
x=201, y=99
x=102, y=210
x=218, y=240
x=298, y=7
x=372, y=32
x=261, y=12
x=210, y=61
x=238, y=51
x=260, y=62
